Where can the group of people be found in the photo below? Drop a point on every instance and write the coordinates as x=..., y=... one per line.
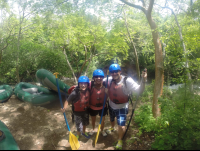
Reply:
x=88, y=99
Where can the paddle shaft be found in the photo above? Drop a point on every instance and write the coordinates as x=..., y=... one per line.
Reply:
x=62, y=103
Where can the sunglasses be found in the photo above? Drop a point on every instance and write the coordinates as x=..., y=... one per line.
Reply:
x=98, y=77
x=114, y=71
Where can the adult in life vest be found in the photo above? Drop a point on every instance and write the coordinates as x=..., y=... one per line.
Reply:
x=119, y=88
x=97, y=94
x=79, y=98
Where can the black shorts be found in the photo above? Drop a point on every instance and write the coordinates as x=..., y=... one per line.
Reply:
x=81, y=120
x=95, y=112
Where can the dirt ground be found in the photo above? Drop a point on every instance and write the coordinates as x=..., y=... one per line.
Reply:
x=44, y=128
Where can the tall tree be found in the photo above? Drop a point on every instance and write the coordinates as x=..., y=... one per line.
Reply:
x=6, y=27
x=159, y=69
x=181, y=40
x=25, y=11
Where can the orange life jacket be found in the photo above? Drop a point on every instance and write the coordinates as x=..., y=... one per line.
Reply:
x=83, y=103
x=97, y=97
x=116, y=93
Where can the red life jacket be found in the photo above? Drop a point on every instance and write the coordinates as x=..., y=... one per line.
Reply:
x=116, y=93
x=83, y=103
x=97, y=97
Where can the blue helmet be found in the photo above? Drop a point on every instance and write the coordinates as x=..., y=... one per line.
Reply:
x=114, y=67
x=83, y=79
x=98, y=72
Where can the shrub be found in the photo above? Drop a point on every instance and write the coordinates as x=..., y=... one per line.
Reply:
x=178, y=125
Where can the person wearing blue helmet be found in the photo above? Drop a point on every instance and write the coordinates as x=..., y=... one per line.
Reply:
x=97, y=93
x=79, y=98
x=119, y=89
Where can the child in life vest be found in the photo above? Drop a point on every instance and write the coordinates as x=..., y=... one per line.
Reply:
x=97, y=94
x=80, y=98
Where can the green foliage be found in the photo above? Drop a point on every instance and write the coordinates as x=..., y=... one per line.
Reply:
x=147, y=95
x=130, y=141
x=178, y=125
x=145, y=118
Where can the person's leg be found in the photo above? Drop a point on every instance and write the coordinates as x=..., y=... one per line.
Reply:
x=93, y=121
x=102, y=127
x=112, y=123
x=112, y=120
x=93, y=114
x=112, y=117
x=103, y=118
x=85, y=122
x=102, y=123
x=78, y=133
x=84, y=127
x=121, y=121
x=121, y=131
x=79, y=125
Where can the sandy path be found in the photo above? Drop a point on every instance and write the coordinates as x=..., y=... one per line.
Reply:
x=44, y=128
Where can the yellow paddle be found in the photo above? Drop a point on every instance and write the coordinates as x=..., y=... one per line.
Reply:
x=101, y=112
x=73, y=141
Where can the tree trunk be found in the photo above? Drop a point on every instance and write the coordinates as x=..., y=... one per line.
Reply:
x=75, y=79
x=159, y=70
x=18, y=48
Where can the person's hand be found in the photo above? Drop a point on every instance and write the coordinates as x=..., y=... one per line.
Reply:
x=63, y=110
x=106, y=90
x=144, y=75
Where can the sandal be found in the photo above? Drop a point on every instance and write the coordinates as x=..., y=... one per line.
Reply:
x=92, y=132
x=103, y=133
x=86, y=135
x=108, y=131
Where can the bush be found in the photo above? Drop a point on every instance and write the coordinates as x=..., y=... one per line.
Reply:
x=178, y=125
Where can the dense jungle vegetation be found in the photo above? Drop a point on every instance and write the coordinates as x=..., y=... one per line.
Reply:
x=75, y=37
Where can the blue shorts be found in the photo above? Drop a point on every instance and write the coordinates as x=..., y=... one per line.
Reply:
x=120, y=114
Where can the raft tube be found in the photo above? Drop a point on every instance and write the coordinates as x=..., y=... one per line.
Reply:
x=6, y=92
x=8, y=143
x=47, y=79
x=34, y=94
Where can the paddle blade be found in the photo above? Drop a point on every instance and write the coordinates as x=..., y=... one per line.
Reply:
x=73, y=141
x=97, y=134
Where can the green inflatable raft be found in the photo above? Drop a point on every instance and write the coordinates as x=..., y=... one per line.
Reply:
x=8, y=143
x=34, y=94
x=6, y=92
x=47, y=79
